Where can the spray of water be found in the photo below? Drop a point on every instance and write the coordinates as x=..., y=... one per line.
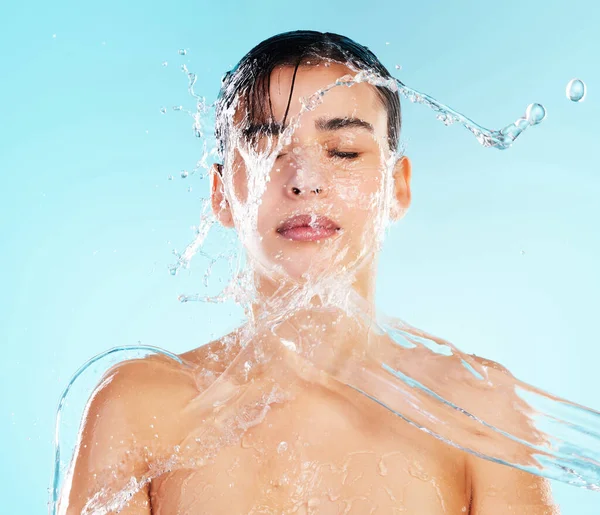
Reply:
x=311, y=326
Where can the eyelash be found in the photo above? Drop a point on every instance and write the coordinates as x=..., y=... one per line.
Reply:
x=336, y=154
x=343, y=155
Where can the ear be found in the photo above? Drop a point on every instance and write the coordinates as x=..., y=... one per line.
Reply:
x=220, y=205
x=402, y=174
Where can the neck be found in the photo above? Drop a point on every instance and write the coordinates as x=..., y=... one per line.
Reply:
x=328, y=314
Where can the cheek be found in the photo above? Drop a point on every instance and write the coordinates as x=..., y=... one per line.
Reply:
x=360, y=191
x=271, y=206
x=240, y=179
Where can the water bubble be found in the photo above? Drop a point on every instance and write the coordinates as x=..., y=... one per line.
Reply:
x=184, y=174
x=163, y=110
x=535, y=113
x=165, y=63
x=182, y=51
x=576, y=90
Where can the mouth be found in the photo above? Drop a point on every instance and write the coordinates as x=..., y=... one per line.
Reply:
x=308, y=228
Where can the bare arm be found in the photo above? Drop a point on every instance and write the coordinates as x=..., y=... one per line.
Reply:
x=499, y=489
x=106, y=455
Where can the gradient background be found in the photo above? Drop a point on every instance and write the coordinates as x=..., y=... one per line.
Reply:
x=86, y=210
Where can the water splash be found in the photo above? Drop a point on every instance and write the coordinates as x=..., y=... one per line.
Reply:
x=477, y=408
x=468, y=403
x=501, y=139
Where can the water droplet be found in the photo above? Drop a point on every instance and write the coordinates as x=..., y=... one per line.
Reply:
x=522, y=253
x=398, y=67
x=415, y=469
x=53, y=36
x=182, y=51
x=170, y=177
x=387, y=42
x=184, y=174
x=184, y=68
x=576, y=90
x=282, y=447
x=165, y=63
x=163, y=110
x=177, y=108
x=445, y=119
x=535, y=113
x=173, y=270
x=190, y=189
x=313, y=502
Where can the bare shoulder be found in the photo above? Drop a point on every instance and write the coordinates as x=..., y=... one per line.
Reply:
x=157, y=379
x=137, y=413
x=129, y=406
x=158, y=385
x=132, y=399
x=140, y=383
x=499, y=488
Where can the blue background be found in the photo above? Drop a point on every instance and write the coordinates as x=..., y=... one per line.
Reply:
x=88, y=218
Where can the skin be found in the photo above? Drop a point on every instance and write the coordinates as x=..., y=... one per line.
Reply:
x=317, y=446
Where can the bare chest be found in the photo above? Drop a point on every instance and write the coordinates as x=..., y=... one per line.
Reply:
x=323, y=455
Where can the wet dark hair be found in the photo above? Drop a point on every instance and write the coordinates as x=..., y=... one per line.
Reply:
x=251, y=77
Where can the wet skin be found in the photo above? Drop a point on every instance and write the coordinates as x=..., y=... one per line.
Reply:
x=289, y=440
x=284, y=437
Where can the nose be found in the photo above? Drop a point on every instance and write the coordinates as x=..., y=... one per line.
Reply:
x=305, y=183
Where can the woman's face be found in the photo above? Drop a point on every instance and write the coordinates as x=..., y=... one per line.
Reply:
x=323, y=205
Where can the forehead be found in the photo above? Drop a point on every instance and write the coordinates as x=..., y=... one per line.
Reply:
x=360, y=101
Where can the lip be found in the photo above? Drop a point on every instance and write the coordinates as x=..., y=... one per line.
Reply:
x=308, y=228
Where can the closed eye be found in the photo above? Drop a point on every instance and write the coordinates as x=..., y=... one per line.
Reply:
x=343, y=155
x=335, y=154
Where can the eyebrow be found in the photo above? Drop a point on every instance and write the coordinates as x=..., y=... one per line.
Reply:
x=321, y=124
x=335, y=124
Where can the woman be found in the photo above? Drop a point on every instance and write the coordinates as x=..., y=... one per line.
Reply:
x=261, y=420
